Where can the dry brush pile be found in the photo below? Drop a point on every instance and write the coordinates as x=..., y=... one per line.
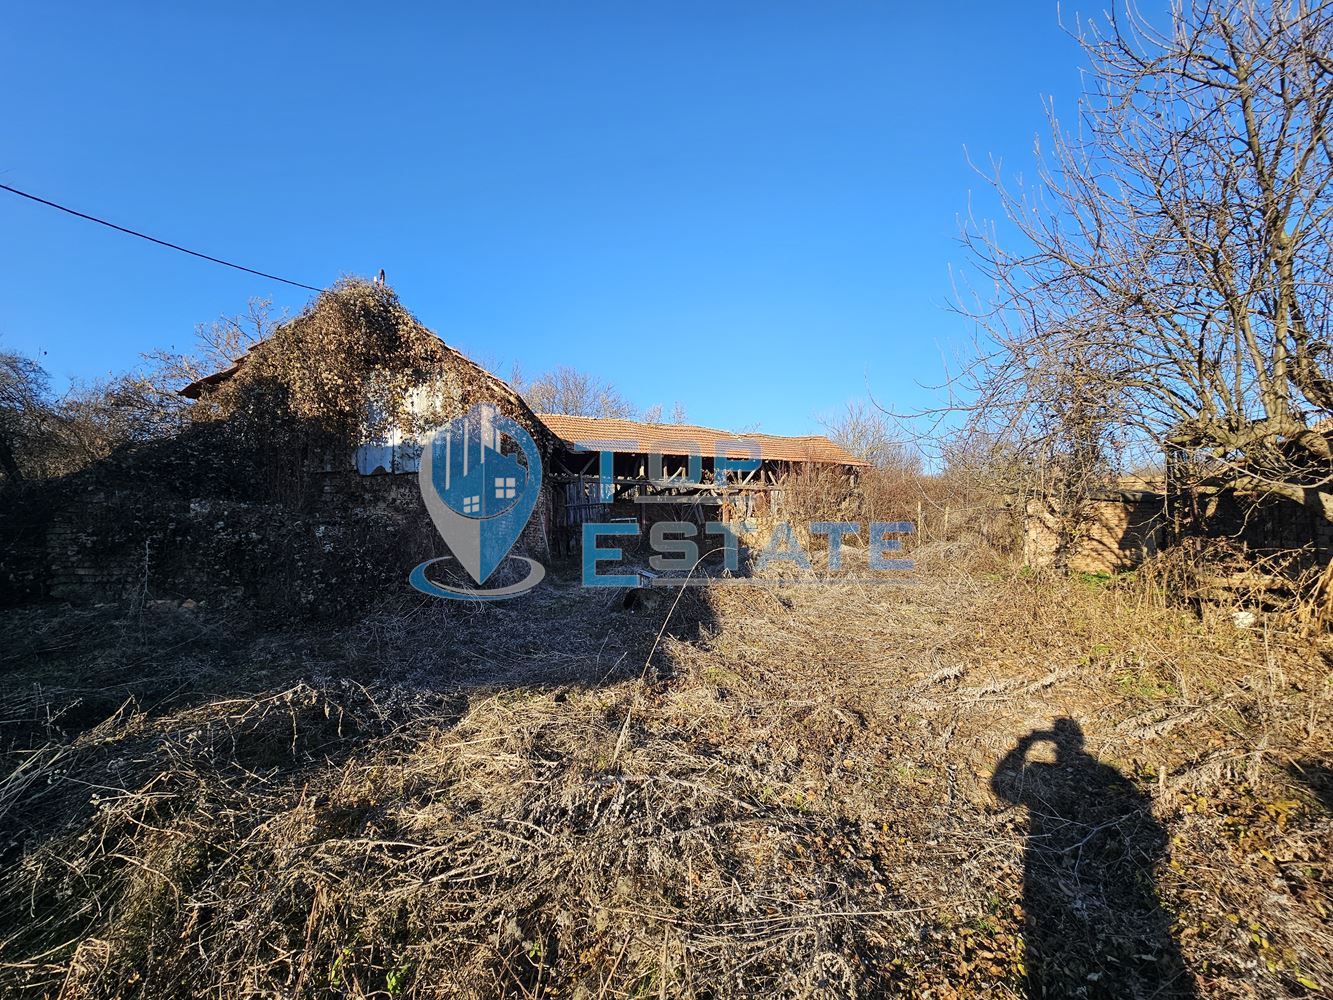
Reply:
x=748, y=792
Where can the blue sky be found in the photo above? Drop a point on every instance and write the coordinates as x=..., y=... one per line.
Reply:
x=750, y=207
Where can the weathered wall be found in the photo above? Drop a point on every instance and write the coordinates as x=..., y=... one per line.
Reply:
x=117, y=533
x=1264, y=524
x=1118, y=534
x=1113, y=535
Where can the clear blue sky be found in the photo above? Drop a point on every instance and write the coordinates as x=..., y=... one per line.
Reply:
x=747, y=206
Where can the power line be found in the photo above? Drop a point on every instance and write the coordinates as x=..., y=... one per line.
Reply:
x=154, y=239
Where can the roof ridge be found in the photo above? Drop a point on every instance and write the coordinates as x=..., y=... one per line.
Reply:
x=653, y=437
x=674, y=426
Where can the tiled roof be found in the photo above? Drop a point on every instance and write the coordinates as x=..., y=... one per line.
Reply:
x=197, y=388
x=597, y=433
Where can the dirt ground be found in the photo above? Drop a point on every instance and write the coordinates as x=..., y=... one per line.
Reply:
x=983, y=784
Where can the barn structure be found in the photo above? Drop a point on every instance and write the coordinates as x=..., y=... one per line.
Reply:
x=611, y=469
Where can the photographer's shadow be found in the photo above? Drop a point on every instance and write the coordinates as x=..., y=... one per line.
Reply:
x=1094, y=924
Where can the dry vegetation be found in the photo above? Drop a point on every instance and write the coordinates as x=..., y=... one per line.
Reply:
x=990, y=783
x=751, y=791
x=733, y=791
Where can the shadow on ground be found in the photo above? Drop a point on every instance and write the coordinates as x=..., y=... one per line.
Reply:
x=1094, y=926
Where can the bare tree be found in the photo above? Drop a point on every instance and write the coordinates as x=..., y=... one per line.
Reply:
x=862, y=431
x=228, y=338
x=568, y=391
x=1169, y=279
x=217, y=346
x=24, y=410
x=94, y=419
x=893, y=488
x=41, y=436
x=653, y=415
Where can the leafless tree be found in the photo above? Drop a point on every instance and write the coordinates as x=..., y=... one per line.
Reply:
x=24, y=410
x=92, y=420
x=861, y=430
x=217, y=346
x=42, y=436
x=1167, y=278
x=568, y=391
x=653, y=415
x=894, y=488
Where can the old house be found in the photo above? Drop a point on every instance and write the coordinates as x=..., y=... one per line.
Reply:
x=293, y=483
x=274, y=492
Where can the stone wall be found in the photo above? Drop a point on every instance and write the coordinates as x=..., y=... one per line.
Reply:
x=1264, y=524
x=114, y=534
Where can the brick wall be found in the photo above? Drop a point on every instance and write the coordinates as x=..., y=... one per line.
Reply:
x=1112, y=535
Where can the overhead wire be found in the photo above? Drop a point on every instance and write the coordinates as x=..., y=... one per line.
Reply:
x=154, y=239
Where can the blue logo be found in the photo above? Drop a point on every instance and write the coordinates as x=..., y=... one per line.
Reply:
x=480, y=499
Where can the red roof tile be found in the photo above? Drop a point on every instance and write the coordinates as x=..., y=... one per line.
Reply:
x=602, y=434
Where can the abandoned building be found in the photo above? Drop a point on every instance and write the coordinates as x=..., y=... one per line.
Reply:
x=651, y=472
x=281, y=491
x=672, y=472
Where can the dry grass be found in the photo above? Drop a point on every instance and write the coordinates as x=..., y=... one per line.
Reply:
x=779, y=792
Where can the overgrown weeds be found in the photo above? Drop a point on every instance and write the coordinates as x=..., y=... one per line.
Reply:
x=791, y=797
